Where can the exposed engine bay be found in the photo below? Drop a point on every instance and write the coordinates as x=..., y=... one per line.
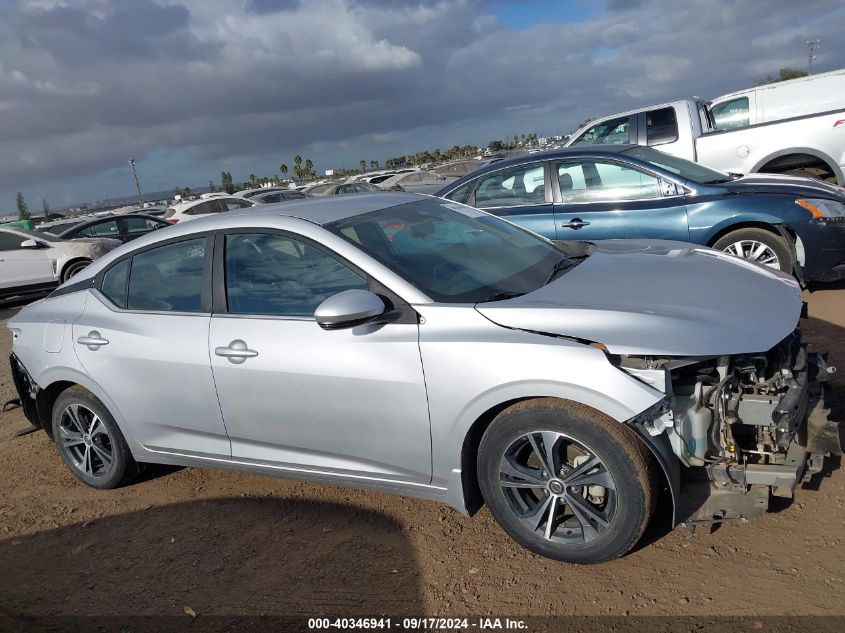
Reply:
x=743, y=425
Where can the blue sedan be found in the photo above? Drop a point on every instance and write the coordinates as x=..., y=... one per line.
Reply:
x=627, y=191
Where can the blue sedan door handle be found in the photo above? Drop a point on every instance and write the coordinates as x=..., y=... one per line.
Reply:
x=93, y=341
x=575, y=223
x=237, y=352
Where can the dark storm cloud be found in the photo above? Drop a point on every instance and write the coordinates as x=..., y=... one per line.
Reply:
x=86, y=83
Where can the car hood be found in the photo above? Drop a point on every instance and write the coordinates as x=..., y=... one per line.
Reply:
x=786, y=185
x=660, y=298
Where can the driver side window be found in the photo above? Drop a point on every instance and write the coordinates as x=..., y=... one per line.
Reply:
x=276, y=275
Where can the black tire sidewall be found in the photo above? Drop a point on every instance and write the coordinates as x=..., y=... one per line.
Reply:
x=773, y=241
x=73, y=269
x=625, y=527
x=122, y=462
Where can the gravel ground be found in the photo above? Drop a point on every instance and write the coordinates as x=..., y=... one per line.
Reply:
x=213, y=542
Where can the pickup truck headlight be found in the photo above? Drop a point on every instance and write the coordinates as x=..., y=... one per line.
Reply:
x=823, y=211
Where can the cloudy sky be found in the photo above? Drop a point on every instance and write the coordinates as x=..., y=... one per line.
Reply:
x=192, y=87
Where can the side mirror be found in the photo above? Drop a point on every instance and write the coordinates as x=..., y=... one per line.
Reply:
x=30, y=243
x=348, y=309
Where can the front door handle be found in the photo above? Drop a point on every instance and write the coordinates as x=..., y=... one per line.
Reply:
x=93, y=341
x=575, y=223
x=237, y=352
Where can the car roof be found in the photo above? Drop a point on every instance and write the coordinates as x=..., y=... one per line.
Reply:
x=113, y=218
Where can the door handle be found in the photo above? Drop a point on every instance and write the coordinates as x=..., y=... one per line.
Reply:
x=93, y=341
x=237, y=352
x=575, y=223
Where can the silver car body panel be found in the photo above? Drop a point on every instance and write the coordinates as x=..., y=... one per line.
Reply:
x=384, y=405
x=692, y=289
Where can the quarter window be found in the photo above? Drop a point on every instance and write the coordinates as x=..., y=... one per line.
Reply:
x=460, y=194
x=168, y=278
x=593, y=181
x=612, y=132
x=114, y=283
x=661, y=126
x=278, y=276
x=730, y=115
x=515, y=187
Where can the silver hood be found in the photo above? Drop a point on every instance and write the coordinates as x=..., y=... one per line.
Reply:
x=660, y=298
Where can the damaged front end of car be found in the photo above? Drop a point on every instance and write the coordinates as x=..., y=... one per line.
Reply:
x=743, y=427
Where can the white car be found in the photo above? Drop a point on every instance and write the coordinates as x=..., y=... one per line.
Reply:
x=184, y=211
x=792, y=127
x=31, y=261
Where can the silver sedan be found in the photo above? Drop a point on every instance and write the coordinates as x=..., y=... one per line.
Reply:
x=409, y=344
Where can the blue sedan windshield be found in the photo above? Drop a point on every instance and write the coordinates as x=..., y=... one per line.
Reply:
x=453, y=253
x=683, y=168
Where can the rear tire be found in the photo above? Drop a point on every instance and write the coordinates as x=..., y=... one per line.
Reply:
x=597, y=503
x=73, y=268
x=89, y=440
x=757, y=245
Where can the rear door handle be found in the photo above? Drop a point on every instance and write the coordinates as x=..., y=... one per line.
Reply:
x=93, y=341
x=237, y=352
x=575, y=223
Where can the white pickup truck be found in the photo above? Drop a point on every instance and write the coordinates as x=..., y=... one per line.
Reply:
x=794, y=127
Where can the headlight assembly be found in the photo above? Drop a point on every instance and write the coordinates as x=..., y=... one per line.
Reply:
x=823, y=211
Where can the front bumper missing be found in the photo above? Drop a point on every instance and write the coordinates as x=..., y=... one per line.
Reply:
x=737, y=491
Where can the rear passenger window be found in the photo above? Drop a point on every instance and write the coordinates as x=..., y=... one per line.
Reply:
x=114, y=283
x=168, y=278
x=515, y=187
x=661, y=126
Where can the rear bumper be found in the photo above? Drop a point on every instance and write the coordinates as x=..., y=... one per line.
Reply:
x=27, y=391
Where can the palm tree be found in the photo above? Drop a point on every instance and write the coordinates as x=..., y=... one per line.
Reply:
x=363, y=165
x=309, y=168
x=284, y=169
x=252, y=178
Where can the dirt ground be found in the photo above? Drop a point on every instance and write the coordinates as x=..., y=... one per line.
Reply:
x=213, y=542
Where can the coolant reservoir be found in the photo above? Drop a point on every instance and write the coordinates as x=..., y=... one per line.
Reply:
x=692, y=422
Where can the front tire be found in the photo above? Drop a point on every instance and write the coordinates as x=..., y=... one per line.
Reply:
x=89, y=440
x=759, y=246
x=566, y=481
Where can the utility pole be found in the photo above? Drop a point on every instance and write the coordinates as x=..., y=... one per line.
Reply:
x=812, y=47
x=137, y=184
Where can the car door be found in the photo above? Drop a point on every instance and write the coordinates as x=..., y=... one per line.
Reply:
x=143, y=338
x=601, y=199
x=344, y=402
x=518, y=194
x=21, y=267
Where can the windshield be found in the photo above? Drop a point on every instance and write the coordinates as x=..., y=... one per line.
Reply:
x=683, y=168
x=453, y=253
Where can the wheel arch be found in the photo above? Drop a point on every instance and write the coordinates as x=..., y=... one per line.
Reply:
x=471, y=499
x=56, y=380
x=725, y=229
x=816, y=154
x=71, y=262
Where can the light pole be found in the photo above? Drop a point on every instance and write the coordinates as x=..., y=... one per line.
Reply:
x=137, y=184
x=812, y=47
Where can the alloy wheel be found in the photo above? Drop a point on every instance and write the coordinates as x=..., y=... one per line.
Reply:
x=754, y=251
x=557, y=487
x=86, y=440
